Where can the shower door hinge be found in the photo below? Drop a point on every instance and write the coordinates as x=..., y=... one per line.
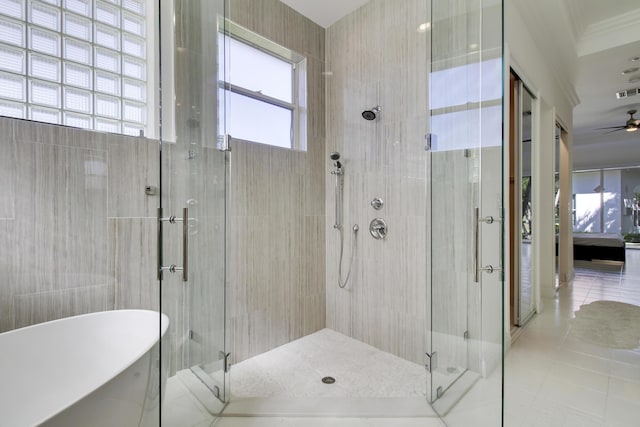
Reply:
x=430, y=140
x=431, y=361
x=465, y=335
x=224, y=142
x=226, y=360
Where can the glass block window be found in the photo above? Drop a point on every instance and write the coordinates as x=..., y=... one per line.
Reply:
x=80, y=63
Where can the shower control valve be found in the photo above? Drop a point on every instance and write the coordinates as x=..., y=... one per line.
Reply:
x=378, y=229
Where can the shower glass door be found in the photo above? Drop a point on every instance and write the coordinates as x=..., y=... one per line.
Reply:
x=193, y=226
x=465, y=193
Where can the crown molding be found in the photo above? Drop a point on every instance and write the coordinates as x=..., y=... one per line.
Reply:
x=532, y=13
x=567, y=88
x=610, y=33
x=573, y=14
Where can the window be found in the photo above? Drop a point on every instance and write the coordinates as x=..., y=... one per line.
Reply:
x=81, y=63
x=597, y=201
x=263, y=89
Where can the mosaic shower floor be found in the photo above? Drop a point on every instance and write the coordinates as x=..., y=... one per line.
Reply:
x=297, y=368
x=284, y=387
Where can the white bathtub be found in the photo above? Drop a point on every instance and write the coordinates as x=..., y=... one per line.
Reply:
x=98, y=369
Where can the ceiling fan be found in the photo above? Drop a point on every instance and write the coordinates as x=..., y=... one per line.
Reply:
x=631, y=125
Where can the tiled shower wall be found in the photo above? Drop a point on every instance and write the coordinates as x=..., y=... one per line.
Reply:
x=376, y=56
x=277, y=277
x=78, y=234
x=72, y=222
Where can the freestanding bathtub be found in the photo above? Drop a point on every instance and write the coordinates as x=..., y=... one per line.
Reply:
x=99, y=369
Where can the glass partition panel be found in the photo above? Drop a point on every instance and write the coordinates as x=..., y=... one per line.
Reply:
x=78, y=221
x=192, y=217
x=465, y=163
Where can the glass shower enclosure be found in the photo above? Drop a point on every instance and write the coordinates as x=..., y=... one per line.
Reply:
x=466, y=207
x=463, y=198
x=132, y=212
x=192, y=224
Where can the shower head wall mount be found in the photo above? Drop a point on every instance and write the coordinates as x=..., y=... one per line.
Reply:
x=335, y=156
x=372, y=113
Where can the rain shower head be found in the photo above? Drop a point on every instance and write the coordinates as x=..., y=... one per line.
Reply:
x=371, y=114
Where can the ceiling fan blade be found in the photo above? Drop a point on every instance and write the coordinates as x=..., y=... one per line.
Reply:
x=612, y=127
x=615, y=130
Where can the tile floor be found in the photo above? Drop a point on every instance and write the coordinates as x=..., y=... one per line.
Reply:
x=551, y=378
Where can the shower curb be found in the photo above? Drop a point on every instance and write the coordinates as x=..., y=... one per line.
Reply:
x=405, y=407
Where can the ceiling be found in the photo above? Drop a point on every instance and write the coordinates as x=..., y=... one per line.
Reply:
x=607, y=36
x=325, y=12
x=587, y=12
x=604, y=35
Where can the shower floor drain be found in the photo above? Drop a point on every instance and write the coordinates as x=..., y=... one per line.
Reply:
x=328, y=380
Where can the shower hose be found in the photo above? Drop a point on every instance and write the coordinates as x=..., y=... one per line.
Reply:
x=355, y=229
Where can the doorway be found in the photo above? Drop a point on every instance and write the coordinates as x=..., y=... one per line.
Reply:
x=521, y=209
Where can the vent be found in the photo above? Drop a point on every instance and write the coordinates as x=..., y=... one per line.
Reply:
x=627, y=93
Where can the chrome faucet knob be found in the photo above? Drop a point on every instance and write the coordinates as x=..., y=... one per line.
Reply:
x=377, y=203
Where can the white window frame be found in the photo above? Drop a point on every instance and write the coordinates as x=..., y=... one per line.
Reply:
x=298, y=107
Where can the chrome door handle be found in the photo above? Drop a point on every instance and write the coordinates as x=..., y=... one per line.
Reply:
x=489, y=219
x=185, y=244
x=490, y=268
x=476, y=271
x=476, y=244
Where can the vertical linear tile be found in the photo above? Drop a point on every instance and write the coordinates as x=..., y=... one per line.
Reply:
x=314, y=177
x=7, y=271
x=63, y=196
x=207, y=288
x=376, y=57
x=44, y=306
x=315, y=255
x=28, y=131
x=133, y=262
x=277, y=205
x=54, y=255
x=8, y=182
x=133, y=164
x=8, y=168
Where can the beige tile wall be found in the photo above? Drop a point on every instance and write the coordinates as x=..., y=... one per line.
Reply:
x=376, y=57
x=79, y=233
x=277, y=275
x=73, y=237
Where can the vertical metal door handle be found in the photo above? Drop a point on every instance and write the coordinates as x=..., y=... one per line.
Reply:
x=476, y=222
x=185, y=244
x=476, y=244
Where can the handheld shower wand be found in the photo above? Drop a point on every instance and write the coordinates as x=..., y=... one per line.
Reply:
x=335, y=156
